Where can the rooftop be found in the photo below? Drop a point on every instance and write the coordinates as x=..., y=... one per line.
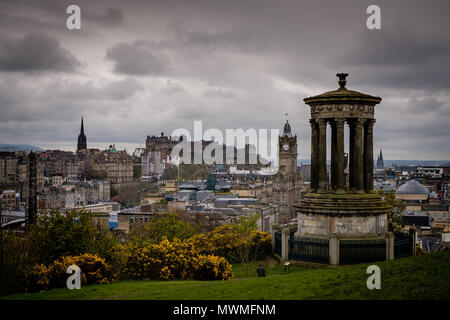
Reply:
x=412, y=187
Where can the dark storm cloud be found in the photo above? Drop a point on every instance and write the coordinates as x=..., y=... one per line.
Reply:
x=410, y=51
x=155, y=66
x=133, y=59
x=35, y=52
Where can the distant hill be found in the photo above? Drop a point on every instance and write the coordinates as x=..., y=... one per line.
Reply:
x=19, y=147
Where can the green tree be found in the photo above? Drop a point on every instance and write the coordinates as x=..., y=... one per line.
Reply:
x=137, y=172
x=243, y=229
x=54, y=235
x=58, y=234
x=113, y=192
x=169, y=225
x=395, y=214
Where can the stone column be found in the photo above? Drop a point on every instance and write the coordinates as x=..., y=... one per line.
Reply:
x=31, y=210
x=334, y=170
x=413, y=234
x=359, y=156
x=285, y=234
x=389, y=238
x=273, y=239
x=351, y=164
x=340, y=176
x=368, y=155
x=333, y=248
x=322, y=153
x=314, y=155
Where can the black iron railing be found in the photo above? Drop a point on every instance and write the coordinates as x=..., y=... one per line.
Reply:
x=278, y=243
x=403, y=245
x=360, y=251
x=307, y=249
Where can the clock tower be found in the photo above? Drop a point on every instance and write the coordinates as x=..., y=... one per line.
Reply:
x=287, y=182
x=287, y=151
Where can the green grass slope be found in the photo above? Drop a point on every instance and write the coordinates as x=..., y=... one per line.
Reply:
x=421, y=277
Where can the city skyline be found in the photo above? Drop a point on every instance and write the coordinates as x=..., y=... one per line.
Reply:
x=143, y=68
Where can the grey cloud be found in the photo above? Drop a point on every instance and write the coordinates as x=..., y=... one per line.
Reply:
x=243, y=39
x=232, y=64
x=133, y=59
x=112, y=17
x=35, y=52
x=220, y=93
x=172, y=88
x=113, y=90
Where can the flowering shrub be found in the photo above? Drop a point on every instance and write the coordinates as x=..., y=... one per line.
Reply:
x=202, y=257
x=212, y=268
x=93, y=270
x=260, y=244
x=165, y=260
x=172, y=260
x=224, y=242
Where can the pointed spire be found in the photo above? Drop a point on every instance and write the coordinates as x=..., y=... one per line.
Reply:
x=287, y=129
x=82, y=144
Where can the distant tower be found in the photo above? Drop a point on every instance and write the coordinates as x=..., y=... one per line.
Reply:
x=288, y=150
x=380, y=162
x=287, y=180
x=82, y=144
x=31, y=213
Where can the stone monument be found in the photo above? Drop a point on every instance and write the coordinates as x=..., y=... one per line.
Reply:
x=342, y=209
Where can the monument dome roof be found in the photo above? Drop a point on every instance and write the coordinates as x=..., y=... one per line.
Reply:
x=412, y=187
x=342, y=95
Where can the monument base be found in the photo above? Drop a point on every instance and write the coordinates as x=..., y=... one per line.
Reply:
x=349, y=215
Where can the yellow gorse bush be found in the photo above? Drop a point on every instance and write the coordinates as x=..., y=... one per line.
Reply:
x=170, y=260
x=202, y=257
x=93, y=270
x=224, y=242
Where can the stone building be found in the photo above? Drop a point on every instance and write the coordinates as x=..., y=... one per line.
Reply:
x=163, y=144
x=152, y=164
x=61, y=163
x=71, y=194
x=286, y=184
x=118, y=165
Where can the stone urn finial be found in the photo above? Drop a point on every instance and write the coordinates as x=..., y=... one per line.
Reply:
x=342, y=81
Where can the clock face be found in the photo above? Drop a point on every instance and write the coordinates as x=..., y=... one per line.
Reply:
x=285, y=147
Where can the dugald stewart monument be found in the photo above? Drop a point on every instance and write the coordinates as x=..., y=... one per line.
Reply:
x=343, y=206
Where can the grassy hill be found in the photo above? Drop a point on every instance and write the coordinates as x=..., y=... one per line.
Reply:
x=421, y=277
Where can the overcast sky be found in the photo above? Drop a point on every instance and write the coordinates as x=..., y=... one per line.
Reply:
x=138, y=68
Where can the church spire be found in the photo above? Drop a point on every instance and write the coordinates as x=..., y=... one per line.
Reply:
x=380, y=161
x=82, y=143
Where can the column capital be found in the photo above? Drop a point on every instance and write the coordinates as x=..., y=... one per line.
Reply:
x=322, y=122
x=339, y=121
x=359, y=121
x=370, y=123
x=312, y=121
